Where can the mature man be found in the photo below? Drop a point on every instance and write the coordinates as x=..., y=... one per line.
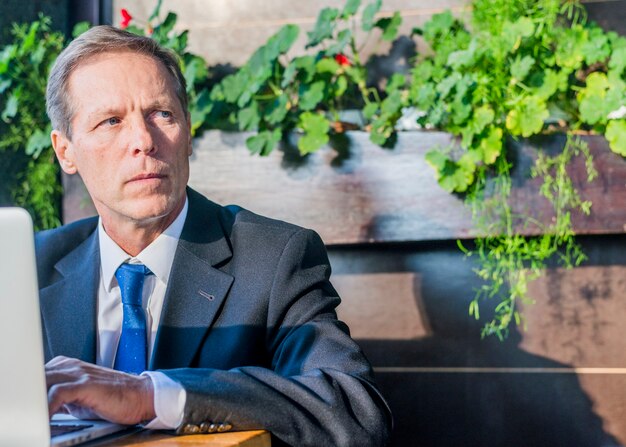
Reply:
x=168, y=309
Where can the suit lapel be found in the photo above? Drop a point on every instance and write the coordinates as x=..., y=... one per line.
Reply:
x=68, y=306
x=196, y=288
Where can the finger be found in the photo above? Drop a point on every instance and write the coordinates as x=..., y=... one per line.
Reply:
x=60, y=376
x=60, y=360
x=60, y=395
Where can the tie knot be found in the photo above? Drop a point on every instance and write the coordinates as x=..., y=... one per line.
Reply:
x=130, y=278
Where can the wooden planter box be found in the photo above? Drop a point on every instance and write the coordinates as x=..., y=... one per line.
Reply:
x=371, y=194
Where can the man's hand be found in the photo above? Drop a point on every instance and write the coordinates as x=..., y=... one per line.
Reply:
x=118, y=397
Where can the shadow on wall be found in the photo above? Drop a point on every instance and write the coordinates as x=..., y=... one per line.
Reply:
x=451, y=388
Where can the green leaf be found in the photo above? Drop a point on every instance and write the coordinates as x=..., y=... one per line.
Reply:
x=452, y=176
x=315, y=127
x=343, y=39
x=369, y=13
x=597, y=48
x=447, y=84
x=352, y=6
x=199, y=109
x=324, y=27
x=438, y=24
x=312, y=96
x=483, y=116
x=521, y=67
x=80, y=28
x=10, y=108
x=286, y=37
x=195, y=70
x=4, y=84
x=369, y=110
x=29, y=41
x=514, y=32
x=327, y=65
x=38, y=141
x=249, y=117
x=527, y=117
x=616, y=136
x=264, y=142
x=491, y=146
x=389, y=26
x=277, y=112
x=340, y=86
x=381, y=131
x=161, y=30
x=156, y=11
x=618, y=60
x=397, y=82
x=463, y=58
x=592, y=104
x=569, y=51
x=392, y=104
x=302, y=66
x=550, y=81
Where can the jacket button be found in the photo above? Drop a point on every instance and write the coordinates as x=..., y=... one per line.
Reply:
x=191, y=429
x=224, y=427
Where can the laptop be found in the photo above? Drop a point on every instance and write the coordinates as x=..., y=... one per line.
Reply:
x=24, y=419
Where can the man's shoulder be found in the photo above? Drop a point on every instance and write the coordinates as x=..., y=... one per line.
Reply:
x=239, y=218
x=64, y=238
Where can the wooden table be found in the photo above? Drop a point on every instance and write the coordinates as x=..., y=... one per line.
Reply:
x=148, y=438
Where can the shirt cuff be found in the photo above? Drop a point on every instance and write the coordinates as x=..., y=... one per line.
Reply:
x=169, y=401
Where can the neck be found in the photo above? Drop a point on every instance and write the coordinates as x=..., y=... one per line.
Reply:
x=134, y=236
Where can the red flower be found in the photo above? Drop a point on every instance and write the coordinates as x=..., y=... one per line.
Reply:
x=126, y=18
x=342, y=59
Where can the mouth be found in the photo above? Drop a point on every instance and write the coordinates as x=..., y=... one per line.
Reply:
x=147, y=176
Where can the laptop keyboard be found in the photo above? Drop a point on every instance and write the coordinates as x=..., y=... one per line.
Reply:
x=62, y=429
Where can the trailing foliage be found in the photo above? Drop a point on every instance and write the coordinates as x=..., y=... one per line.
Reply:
x=533, y=67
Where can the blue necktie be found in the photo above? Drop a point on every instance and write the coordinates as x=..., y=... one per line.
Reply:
x=131, y=351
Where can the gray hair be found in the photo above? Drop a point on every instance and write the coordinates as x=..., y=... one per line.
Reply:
x=98, y=40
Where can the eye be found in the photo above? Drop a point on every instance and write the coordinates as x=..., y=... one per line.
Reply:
x=164, y=114
x=111, y=121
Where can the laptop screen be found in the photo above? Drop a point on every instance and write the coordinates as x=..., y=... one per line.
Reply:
x=23, y=395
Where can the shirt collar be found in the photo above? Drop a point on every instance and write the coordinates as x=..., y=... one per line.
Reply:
x=158, y=256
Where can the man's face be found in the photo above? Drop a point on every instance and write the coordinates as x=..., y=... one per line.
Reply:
x=130, y=138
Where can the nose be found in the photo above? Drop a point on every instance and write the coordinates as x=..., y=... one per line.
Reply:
x=141, y=138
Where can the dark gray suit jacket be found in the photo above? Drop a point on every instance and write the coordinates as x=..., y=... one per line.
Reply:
x=248, y=327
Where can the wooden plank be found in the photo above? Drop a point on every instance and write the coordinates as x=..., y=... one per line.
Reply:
x=149, y=438
x=363, y=193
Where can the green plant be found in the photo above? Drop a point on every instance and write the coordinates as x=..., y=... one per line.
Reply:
x=30, y=176
x=532, y=67
x=529, y=67
x=274, y=93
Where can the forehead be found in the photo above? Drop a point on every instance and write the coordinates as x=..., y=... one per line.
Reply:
x=113, y=76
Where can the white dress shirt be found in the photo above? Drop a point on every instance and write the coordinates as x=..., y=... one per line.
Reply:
x=169, y=396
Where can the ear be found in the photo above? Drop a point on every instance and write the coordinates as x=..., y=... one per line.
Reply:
x=189, y=147
x=63, y=149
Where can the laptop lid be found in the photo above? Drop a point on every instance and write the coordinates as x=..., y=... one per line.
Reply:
x=23, y=394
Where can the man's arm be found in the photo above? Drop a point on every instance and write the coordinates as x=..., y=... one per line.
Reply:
x=319, y=390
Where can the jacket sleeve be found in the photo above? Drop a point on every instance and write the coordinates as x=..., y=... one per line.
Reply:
x=319, y=389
